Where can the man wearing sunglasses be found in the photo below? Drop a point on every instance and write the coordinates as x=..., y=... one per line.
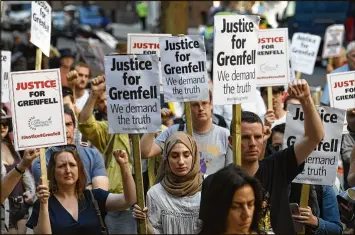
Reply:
x=93, y=161
x=277, y=114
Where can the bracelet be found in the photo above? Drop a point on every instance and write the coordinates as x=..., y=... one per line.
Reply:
x=19, y=171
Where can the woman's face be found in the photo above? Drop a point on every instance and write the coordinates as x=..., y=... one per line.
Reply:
x=180, y=160
x=66, y=169
x=241, y=213
x=4, y=129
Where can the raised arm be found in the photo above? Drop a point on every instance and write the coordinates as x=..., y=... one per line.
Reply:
x=43, y=224
x=313, y=127
x=351, y=175
x=9, y=181
x=119, y=202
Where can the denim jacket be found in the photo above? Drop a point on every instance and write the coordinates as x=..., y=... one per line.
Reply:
x=329, y=220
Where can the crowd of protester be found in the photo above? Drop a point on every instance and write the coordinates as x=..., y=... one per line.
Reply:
x=191, y=184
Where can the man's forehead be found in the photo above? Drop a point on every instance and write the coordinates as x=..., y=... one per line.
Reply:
x=252, y=126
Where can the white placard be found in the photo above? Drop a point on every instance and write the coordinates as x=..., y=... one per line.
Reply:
x=235, y=60
x=146, y=44
x=273, y=57
x=41, y=20
x=342, y=92
x=183, y=66
x=322, y=164
x=304, y=49
x=37, y=107
x=132, y=91
x=333, y=41
x=107, y=38
x=5, y=69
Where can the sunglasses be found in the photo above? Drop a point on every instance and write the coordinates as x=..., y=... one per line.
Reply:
x=5, y=122
x=69, y=147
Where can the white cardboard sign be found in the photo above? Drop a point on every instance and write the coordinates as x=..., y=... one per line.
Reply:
x=5, y=69
x=333, y=41
x=322, y=164
x=183, y=66
x=41, y=18
x=304, y=51
x=342, y=92
x=37, y=107
x=273, y=56
x=132, y=91
x=235, y=59
x=146, y=44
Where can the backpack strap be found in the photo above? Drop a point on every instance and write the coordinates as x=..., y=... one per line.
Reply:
x=181, y=126
x=98, y=213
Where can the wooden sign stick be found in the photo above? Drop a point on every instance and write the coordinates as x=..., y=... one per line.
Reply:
x=237, y=134
x=189, y=128
x=42, y=150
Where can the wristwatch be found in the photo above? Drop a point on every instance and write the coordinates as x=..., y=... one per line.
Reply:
x=18, y=170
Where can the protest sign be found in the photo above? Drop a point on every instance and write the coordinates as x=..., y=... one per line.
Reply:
x=333, y=41
x=183, y=66
x=132, y=90
x=5, y=69
x=342, y=92
x=272, y=57
x=41, y=18
x=234, y=62
x=322, y=165
x=107, y=38
x=146, y=44
x=304, y=49
x=37, y=108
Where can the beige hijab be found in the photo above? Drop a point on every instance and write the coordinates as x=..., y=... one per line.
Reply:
x=180, y=186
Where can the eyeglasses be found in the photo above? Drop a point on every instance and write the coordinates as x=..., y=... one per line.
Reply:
x=69, y=147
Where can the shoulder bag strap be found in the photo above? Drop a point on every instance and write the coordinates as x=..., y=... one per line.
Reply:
x=98, y=213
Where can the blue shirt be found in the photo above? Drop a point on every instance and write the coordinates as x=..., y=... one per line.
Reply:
x=93, y=162
x=329, y=220
x=62, y=221
x=325, y=96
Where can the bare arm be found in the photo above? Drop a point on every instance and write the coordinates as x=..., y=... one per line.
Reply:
x=119, y=202
x=98, y=86
x=100, y=182
x=9, y=181
x=313, y=126
x=148, y=147
x=351, y=175
x=44, y=224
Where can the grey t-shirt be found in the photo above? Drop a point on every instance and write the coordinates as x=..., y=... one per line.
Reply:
x=213, y=147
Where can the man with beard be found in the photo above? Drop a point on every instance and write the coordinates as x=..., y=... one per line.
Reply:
x=78, y=80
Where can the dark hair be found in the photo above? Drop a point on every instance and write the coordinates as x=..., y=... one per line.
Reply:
x=219, y=197
x=279, y=128
x=249, y=117
x=80, y=183
x=69, y=112
x=274, y=89
x=67, y=91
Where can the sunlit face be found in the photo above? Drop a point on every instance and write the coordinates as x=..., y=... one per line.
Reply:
x=83, y=76
x=66, y=169
x=69, y=124
x=277, y=97
x=201, y=111
x=180, y=160
x=240, y=216
x=252, y=141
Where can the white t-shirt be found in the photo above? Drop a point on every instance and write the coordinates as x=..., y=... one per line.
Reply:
x=279, y=121
x=80, y=102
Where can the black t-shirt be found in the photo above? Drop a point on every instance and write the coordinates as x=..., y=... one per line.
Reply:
x=275, y=173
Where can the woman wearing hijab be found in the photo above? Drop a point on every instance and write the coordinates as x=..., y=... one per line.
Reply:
x=173, y=203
